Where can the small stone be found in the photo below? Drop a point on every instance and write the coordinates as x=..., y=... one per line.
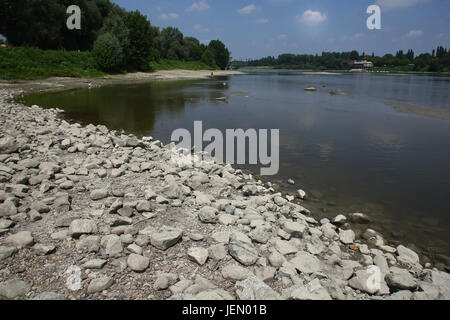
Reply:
x=198, y=254
x=44, y=249
x=166, y=239
x=134, y=248
x=244, y=253
x=346, y=236
x=235, y=272
x=99, y=194
x=208, y=215
x=340, y=220
x=295, y=229
x=112, y=244
x=137, y=262
x=22, y=239
x=165, y=280
x=359, y=218
x=6, y=252
x=301, y=194
x=94, y=264
x=100, y=284
x=82, y=226
x=14, y=288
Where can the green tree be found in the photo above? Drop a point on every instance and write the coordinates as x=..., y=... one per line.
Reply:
x=209, y=58
x=172, y=44
x=139, y=50
x=221, y=53
x=108, y=52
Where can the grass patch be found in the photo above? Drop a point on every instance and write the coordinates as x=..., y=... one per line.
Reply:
x=164, y=64
x=32, y=63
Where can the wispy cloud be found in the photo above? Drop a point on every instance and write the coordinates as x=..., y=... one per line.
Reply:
x=200, y=29
x=169, y=16
x=262, y=21
x=393, y=4
x=202, y=5
x=312, y=17
x=247, y=9
x=415, y=34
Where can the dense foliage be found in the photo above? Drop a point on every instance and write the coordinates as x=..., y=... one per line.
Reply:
x=120, y=40
x=32, y=63
x=437, y=61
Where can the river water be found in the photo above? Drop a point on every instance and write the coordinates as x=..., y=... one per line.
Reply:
x=350, y=153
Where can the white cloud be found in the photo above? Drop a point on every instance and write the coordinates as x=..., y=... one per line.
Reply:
x=262, y=21
x=393, y=4
x=312, y=17
x=200, y=29
x=202, y=5
x=247, y=10
x=283, y=37
x=169, y=16
x=415, y=34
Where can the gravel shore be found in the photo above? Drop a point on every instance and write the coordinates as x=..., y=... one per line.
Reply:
x=88, y=213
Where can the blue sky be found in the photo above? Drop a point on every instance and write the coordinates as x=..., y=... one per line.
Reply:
x=253, y=29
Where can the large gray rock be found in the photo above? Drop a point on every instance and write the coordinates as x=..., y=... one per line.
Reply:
x=14, y=288
x=166, y=239
x=22, y=239
x=312, y=291
x=82, y=226
x=7, y=208
x=306, y=263
x=346, y=236
x=208, y=215
x=8, y=145
x=295, y=229
x=253, y=288
x=363, y=280
x=407, y=256
x=260, y=235
x=100, y=284
x=138, y=263
x=6, y=252
x=400, y=279
x=244, y=253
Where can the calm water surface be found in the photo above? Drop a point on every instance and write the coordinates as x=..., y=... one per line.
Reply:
x=350, y=153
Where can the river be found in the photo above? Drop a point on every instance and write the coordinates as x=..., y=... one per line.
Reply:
x=350, y=152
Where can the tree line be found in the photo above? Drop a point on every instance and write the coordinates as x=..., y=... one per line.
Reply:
x=118, y=39
x=436, y=61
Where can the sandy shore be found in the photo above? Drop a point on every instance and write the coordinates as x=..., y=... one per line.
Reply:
x=65, y=83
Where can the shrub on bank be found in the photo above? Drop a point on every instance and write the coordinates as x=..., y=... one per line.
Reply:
x=32, y=63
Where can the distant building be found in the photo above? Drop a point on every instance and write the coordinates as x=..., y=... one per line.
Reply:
x=360, y=64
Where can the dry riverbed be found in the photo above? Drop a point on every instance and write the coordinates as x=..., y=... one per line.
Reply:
x=89, y=213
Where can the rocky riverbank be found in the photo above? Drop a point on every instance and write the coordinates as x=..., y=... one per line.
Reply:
x=89, y=213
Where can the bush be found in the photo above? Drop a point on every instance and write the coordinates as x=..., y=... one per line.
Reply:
x=108, y=52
